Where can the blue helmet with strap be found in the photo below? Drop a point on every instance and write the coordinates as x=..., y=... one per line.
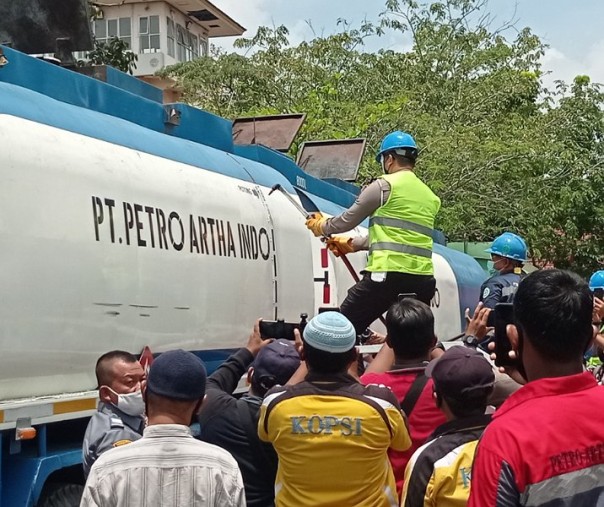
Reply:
x=399, y=142
x=597, y=280
x=510, y=246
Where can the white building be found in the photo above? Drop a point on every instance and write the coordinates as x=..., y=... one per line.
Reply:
x=162, y=33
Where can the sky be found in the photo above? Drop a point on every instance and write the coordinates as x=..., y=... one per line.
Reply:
x=574, y=30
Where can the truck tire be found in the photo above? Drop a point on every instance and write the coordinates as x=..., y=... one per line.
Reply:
x=63, y=495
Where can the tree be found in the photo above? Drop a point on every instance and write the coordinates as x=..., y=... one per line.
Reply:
x=503, y=152
x=114, y=52
x=571, y=228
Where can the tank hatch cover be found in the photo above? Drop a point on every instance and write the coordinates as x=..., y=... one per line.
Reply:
x=336, y=158
x=34, y=26
x=275, y=131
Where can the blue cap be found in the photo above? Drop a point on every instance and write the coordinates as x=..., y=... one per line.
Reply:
x=510, y=246
x=398, y=140
x=276, y=363
x=179, y=375
x=330, y=332
x=596, y=281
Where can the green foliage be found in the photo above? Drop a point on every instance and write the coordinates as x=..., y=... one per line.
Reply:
x=503, y=152
x=114, y=52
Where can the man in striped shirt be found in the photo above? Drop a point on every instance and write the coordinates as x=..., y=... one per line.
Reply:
x=167, y=467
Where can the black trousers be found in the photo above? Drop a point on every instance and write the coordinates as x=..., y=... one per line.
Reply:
x=367, y=299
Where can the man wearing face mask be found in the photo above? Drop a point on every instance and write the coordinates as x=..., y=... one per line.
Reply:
x=401, y=210
x=167, y=467
x=508, y=253
x=119, y=419
x=544, y=444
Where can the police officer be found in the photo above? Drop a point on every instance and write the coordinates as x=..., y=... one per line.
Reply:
x=119, y=419
x=508, y=253
x=402, y=210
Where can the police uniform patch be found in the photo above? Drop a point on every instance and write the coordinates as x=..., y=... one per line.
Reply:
x=116, y=422
x=119, y=443
x=485, y=293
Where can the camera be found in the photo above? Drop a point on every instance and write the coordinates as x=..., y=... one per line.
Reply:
x=280, y=329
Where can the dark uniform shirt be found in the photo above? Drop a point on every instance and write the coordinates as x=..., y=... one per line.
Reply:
x=108, y=428
x=500, y=288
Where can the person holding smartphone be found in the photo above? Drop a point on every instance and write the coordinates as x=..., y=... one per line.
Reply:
x=231, y=422
x=544, y=444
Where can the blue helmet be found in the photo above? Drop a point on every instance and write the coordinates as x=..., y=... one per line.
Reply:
x=398, y=140
x=597, y=280
x=509, y=245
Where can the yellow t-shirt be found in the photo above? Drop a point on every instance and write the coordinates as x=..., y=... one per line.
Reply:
x=332, y=439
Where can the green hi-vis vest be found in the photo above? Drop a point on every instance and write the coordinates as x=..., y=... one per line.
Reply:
x=400, y=231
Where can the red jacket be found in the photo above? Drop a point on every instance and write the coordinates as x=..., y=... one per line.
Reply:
x=424, y=419
x=544, y=446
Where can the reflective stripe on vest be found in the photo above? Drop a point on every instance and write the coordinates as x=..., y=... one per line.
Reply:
x=400, y=231
x=397, y=247
x=401, y=224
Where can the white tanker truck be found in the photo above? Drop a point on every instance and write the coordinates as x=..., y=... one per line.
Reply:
x=121, y=228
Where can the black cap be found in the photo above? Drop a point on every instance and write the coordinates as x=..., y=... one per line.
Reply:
x=179, y=375
x=461, y=372
x=276, y=363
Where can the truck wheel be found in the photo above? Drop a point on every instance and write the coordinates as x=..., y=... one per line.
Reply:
x=63, y=495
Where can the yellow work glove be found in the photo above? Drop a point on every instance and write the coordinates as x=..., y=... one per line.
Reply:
x=340, y=245
x=315, y=223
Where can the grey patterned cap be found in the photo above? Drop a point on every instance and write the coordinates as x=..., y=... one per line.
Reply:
x=330, y=332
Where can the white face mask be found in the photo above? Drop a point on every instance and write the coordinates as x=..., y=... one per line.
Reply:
x=131, y=403
x=383, y=163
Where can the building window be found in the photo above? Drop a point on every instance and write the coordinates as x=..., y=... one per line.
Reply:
x=194, y=46
x=171, y=38
x=149, y=34
x=187, y=44
x=181, y=43
x=105, y=29
x=203, y=47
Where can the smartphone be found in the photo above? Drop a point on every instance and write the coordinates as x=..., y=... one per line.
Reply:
x=504, y=315
x=599, y=293
x=278, y=329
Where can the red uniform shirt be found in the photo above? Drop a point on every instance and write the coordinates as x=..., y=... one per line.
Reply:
x=424, y=418
x=544, y=446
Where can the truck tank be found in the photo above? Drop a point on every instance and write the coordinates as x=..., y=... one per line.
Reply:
x=126, y=223
x=120, y=230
